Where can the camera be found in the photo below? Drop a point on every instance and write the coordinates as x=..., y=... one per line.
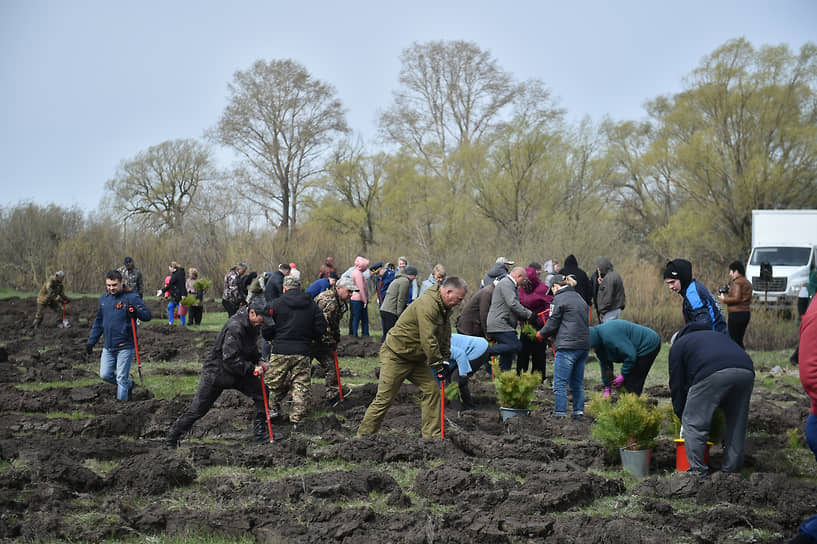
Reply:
x=723, y=290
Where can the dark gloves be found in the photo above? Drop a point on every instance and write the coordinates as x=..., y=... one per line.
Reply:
x=440, y=368
x=131, y=310
x=89, y=348
x=66, y=300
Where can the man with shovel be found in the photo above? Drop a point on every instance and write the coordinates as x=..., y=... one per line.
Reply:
x=52, y=295
x=114, y=320
x=233, y=363
x=420, y=339
x=332, y=303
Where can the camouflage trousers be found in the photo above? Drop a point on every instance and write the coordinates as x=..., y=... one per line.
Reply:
x=53, y=304
x=290, y=372
x=326, y=358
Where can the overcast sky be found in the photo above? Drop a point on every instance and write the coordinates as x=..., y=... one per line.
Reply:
x=86, y=84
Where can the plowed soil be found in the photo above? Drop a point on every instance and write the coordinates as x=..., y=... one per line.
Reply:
x=77, y=465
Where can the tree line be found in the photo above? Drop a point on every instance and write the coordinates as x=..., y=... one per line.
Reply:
x=470, y=163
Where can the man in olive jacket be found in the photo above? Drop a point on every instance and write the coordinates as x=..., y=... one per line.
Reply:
x=420, y=338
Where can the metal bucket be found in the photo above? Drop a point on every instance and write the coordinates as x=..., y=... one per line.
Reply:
x=637, y=462
x=508, y=413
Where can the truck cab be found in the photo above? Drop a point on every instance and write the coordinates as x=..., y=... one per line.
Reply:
x=791, y=266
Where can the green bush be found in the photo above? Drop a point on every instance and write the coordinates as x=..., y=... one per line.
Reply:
x=716, y=427
x=515, y=390
x=629, y=421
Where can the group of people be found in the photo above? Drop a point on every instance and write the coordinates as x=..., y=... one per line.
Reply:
x=708, y=367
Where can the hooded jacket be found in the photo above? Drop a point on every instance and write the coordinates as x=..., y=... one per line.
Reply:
x=536, y=297
x=699, y=305
x=422, y=333
x=699, y=352
x=497, y=271
x=361, y=265
x=506, y=310
x=808, y=354
x=610, y=294
x=569, y=321
x=298, y=322
x=583, y=285
x=397, y=294
x=619, y=341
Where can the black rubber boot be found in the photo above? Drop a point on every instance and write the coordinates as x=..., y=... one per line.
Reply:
x=172, y=441
x=465, y=394
x=260, y=433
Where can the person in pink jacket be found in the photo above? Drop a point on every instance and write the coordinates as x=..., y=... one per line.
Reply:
x=360, y=299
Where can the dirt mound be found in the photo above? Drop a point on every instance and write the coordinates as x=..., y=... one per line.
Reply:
x=77, y=465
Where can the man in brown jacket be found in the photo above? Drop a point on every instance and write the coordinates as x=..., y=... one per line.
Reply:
x=738, y=302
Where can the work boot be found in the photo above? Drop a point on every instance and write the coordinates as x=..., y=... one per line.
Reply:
x=172, y=441
x=465, y=395
x=260, y=432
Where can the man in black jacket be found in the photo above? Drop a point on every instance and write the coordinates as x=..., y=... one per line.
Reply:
x=708, y=370
x=231, y=365
x=298, y=323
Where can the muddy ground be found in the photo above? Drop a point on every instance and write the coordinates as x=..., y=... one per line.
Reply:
x=77, y=465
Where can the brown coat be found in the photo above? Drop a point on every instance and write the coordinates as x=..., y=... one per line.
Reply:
x=739, y=297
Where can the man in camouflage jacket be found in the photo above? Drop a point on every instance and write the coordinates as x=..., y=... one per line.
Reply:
x=231, y=297
x=132, y=277
x=332, y=303
x=51, y=296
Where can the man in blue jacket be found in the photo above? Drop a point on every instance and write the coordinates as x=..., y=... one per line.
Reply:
x=708, y=370
x=115, y=317
x=699, y=305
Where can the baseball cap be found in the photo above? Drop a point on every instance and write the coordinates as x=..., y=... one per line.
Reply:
x=260, y=306
x=348, y=283
x=128, y=260
x=508, y=262
x=292, y=281
x=411, y=270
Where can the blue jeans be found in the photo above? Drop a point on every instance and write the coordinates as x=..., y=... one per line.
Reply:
x=114, y=367
x=359, y=315
x=171, y=308
x=507, y=346
x=811, y=438
x=568, y=368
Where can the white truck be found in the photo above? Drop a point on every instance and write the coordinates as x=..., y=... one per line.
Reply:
x=786, y=240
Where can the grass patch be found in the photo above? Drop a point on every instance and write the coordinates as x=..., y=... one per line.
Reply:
x=42, y=386
x=496, y=475
x=100, y=467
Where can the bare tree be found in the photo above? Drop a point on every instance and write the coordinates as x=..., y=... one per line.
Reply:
x=158, y=186
x=450, y=94
x=280, y=120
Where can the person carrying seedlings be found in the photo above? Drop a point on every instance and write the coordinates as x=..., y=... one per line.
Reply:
x=396, y=299
x=635, y=346
x=52, y=295
x=708, y=370
x=420, y=339
x=197, y=309
x=231, y=364
x=536, y=297
x=298, y=323
x=117, y=312
x=568, y=324
x=699, y=304
x=610, y=296
x=505, y=313
x=333, y=304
